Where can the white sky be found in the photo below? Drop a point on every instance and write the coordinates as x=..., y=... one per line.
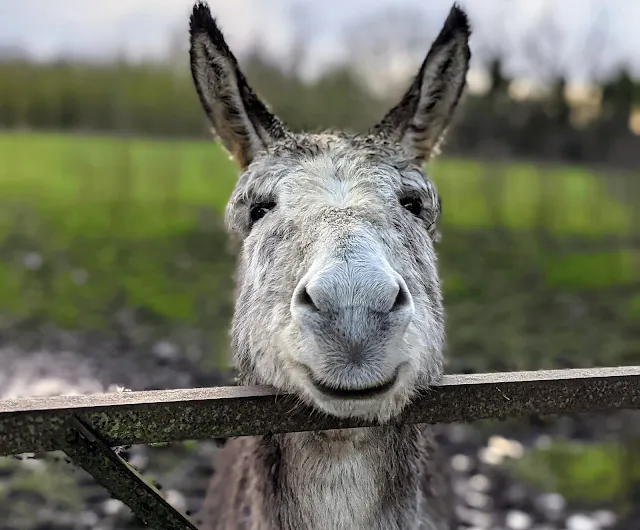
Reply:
x=97, y=28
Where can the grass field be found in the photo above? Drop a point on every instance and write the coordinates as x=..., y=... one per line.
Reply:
x=161, y=181
x=139, y=219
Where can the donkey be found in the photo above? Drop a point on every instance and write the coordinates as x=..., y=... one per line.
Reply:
x=338, y=299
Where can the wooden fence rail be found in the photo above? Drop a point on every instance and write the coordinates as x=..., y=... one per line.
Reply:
x=87, y=427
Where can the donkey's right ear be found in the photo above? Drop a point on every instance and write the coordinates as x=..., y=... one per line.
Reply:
x=243, y=122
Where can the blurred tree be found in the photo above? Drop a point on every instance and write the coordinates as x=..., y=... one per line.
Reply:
x=619, y=96
x=392, y=40
x=157, y=97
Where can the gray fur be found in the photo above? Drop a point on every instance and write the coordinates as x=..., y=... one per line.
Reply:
x=337, y=298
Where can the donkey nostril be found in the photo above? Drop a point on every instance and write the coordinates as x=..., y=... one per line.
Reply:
x=303, y=298
x=402, y=298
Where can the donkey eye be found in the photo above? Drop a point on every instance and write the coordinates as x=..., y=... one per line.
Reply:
x=259, y=210
x=413, y=204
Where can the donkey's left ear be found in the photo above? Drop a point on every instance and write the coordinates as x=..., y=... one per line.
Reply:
x=243, y=122
x=420, y=121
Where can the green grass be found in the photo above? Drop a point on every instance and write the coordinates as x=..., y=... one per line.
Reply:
x=113, y=186
x=582, y=472
x=161, y=180
x=53, y=483
x=564, y=201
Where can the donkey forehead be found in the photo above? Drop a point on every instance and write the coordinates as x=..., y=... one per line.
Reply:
x=334, y=170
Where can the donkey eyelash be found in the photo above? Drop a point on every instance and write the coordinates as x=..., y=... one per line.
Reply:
x=259, y=209
x=414, y=202
x=413, y=205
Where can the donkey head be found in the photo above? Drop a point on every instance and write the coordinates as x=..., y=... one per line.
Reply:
x=338, y=295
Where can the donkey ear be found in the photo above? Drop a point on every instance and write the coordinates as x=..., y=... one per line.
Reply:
x=420, y=120
x=242, y=122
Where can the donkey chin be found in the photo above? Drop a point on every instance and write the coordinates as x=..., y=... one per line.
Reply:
x=371, y=391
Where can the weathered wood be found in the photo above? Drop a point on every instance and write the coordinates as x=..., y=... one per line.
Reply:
x=40, y=424
x=88, y=451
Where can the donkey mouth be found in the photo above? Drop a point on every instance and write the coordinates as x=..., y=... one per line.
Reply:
x=341, y=392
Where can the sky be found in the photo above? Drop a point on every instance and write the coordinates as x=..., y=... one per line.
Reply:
x=144, y=28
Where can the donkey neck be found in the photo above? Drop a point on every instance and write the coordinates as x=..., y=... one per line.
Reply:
x=352, y=479
x=382, y=478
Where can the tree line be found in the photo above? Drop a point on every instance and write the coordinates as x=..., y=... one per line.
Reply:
x=159, y=99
